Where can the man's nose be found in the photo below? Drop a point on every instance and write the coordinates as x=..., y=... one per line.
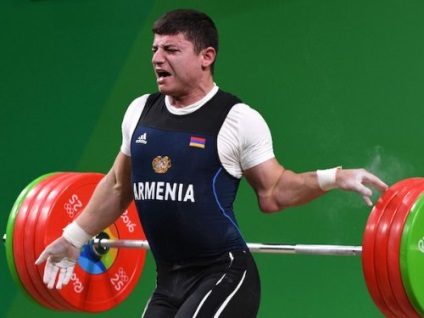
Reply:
x=157, y=57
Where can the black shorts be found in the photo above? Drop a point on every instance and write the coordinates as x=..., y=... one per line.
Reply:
x=227, y=287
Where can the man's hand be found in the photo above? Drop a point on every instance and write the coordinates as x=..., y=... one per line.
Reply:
x=61, y=257
x=359, y=180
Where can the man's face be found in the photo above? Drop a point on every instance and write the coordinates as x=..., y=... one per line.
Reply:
x=177, y=66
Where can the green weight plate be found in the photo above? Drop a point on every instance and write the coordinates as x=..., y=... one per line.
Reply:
x=412, y=255
x=10, y=228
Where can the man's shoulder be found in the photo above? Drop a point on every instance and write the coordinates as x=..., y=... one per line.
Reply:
x=141, y=100
x=154, y=97
x=227, y=95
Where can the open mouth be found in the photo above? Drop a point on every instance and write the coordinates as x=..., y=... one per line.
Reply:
x=163, y=74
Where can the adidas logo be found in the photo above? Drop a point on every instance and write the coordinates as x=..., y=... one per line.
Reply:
x=142, y=139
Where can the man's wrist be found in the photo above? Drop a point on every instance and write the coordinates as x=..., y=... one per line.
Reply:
x=75, y=235
x=327, y=178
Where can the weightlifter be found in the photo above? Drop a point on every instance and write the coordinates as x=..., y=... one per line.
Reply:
x=184, y=151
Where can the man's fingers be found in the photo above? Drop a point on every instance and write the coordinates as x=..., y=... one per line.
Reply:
x=47, y=272
x=361, y=181
x=62, y=273
x=50, y=274
x=366, y=194
x=43, y=257
x=375, y=182
x=68, y=275
x=60, y=257
x=367, y=200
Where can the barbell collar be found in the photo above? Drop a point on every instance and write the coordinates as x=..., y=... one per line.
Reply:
x=336, y=250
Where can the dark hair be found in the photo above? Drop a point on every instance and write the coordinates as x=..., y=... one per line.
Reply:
x=197, y=27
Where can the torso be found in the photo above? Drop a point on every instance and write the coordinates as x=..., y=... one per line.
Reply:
x=183, y=194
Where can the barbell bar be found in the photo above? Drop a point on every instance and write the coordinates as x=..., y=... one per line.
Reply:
x=392, y=250
x=311, y=249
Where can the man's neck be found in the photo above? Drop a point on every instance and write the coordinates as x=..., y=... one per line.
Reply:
x=193, y=96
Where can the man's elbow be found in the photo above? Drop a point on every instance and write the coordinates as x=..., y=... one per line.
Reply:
x=271, y=207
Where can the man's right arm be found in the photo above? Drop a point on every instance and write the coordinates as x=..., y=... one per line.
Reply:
x=110, y=199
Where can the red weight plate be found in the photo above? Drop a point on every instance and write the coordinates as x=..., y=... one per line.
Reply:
x=9, y=232
x=368, y=252
x=98, y=284
x=40, y=228
x=393, y=248
x=46, y=189
x=368, y=245
x=380, y=250
x=19, y=235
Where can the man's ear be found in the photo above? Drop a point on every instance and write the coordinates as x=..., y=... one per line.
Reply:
x=208, y=56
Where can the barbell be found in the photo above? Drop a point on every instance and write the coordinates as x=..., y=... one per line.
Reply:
x=111, y=263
